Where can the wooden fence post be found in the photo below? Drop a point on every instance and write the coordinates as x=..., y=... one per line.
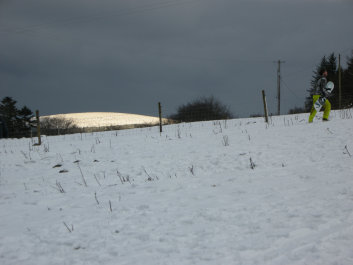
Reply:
x=160, y=116
x=265, y=106
x=38, y=128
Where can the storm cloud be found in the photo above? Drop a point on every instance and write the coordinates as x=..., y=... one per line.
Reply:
x=125, y=56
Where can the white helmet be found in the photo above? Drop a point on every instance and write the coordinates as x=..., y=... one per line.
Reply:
x=329, y=87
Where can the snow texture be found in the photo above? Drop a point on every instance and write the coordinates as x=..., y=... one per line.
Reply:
x=103, y=119
x=219, y=192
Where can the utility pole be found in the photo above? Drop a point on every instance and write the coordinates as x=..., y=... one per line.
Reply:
x=279, y=86
x=339, y=82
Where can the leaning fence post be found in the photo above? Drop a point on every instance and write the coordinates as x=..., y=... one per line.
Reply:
x=160, y=116
x=265, y=105
x=38, y=128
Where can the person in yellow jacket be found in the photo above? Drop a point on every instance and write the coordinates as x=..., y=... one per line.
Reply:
x=321, y=95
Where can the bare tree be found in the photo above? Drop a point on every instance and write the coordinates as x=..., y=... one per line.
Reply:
x=56, y=126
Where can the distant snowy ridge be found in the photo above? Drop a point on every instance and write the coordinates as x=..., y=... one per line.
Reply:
x=103, y=119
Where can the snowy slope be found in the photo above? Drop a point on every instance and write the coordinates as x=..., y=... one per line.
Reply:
x=234, y=192
x=104, y=119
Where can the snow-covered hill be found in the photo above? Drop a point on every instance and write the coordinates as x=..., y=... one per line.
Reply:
x=104, y=119
x=224, y=192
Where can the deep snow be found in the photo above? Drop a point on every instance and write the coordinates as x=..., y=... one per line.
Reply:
x=223, y=192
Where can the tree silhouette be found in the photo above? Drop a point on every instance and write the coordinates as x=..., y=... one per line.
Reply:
x=17, y=121
x=203, y=109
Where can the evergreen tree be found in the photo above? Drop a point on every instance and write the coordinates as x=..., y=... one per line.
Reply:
x=347, y=83
x=316, y=76
x=330, y=65
x=9, y=112
x=24, y=119
x=332, y=71
x=18, y=121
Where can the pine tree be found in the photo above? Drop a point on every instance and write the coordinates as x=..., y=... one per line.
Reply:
x=332, y=71
x=9, y=112
x=330, y=65
x=18, y=121
x=24, y=119
x=347, y=83
x=316, y=76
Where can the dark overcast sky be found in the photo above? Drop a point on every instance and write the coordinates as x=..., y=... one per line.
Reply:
x=63, y=56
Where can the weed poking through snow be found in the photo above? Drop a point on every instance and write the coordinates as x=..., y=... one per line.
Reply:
x=59, y=187
x=192, y=170
x=252, y=164
x=122, y=178
x=225, y=140
x=68, y=228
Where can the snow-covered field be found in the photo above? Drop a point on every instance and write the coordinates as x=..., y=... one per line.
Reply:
x=225, y=192
x=104, y=119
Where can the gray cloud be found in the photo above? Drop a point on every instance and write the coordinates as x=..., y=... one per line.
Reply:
x=125, y=56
